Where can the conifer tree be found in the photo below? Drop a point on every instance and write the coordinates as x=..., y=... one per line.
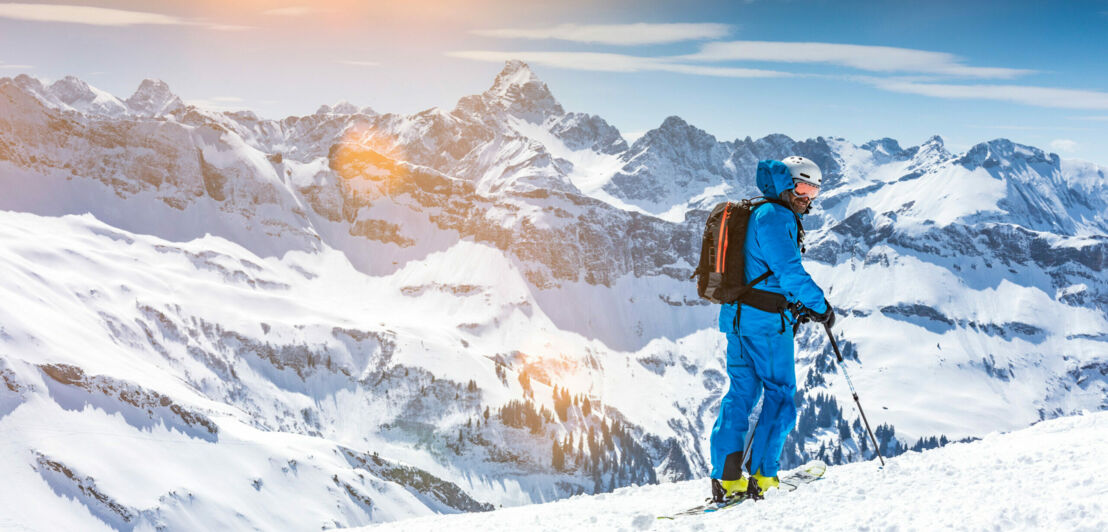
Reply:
x=558, y=459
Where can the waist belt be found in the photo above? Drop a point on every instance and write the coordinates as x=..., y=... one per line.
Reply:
x=766, y=301
x=763, y=300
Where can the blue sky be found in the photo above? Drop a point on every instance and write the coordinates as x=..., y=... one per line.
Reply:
x=969, y=71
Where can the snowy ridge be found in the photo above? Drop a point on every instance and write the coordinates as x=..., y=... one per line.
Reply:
x=993, y=483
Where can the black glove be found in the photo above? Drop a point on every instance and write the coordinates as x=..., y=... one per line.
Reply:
x=827, y=317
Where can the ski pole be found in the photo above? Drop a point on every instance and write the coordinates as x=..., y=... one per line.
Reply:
x=839, y=356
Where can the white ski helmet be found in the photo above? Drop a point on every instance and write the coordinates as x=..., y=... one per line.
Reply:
x=803, y=169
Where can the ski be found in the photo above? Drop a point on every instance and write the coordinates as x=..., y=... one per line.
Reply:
x=790, y=481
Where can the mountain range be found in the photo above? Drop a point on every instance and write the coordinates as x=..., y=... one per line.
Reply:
x=216, y=319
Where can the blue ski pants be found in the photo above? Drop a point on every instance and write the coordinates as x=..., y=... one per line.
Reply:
x=756, y=365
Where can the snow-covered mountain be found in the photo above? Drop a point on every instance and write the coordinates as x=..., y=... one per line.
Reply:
x=375, y=316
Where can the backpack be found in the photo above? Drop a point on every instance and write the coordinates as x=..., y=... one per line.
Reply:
x=720, y=274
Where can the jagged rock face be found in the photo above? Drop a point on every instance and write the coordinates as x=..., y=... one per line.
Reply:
x=78, y=95
x=176, y=162
x=670, y=162
x=153, y=98
x=520, y=93
x=1036, y=191
x=886, y=150
x=343, y=108
x=589, y=132
x=677, y=161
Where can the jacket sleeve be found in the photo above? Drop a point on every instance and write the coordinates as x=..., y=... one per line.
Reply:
x=776, y=234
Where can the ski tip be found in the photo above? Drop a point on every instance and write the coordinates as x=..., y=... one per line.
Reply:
x=816, y=467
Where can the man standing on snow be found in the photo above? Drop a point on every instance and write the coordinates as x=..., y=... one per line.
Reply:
x=760, y=331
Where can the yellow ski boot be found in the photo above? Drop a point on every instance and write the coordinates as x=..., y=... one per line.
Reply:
x=763, y=484
x=724, y=490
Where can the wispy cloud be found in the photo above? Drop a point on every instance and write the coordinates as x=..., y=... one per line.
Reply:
x=617, y=34
x=1063, y=145
x=292, y=11
x=1028, y=128
x=1095, y=118
x=357, y=63
x=99, y=16
x=869, y=58
x=5, y=66
x=1027, y=95
x=604, y=62
x=226, y=27
x=226, y=99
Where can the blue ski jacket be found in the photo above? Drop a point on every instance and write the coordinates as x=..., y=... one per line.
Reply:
x=771, y=245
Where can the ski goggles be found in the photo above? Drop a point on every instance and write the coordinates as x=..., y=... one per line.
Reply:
x=805, y=190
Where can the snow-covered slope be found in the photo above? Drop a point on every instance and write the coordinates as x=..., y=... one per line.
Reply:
x=497, y=295
x=1052, y=476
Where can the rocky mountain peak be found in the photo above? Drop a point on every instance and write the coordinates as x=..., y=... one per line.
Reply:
x=886, y=149
x=775, y=146
x=341, y=108
x=519, y=91
x=71, y=94
x=71, y=89
x=933, y=149
x=1003, y=152
x=515, y=72
x=675, y=131
x=153, y=98
x=674, y=122
x=31, y=85
x=885, y=146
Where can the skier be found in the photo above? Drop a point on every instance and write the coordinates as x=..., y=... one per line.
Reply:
x=760, y=332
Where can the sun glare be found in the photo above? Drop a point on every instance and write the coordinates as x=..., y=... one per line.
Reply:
x=368, y=161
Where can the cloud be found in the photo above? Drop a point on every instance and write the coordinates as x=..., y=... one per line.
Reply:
x=618, y=34
x=1096, y=118
x=294, y=11
x=98, y=16
x=227, y=27
x=869, y=58
x=1030, y=128
x=357, y=63
x=1063, y=145
x=5, y=66
x=1027, y=95
x=605, y=62
x=226, y=99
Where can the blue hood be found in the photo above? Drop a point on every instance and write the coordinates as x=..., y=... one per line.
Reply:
x=773, y=178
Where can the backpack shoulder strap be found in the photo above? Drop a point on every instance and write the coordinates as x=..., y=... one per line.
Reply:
x=796, y=217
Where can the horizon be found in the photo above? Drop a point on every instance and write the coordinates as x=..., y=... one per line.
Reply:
x=967, y=72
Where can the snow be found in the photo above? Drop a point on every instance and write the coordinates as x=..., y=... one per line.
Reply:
x=591, y=170
x=1051, y=476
